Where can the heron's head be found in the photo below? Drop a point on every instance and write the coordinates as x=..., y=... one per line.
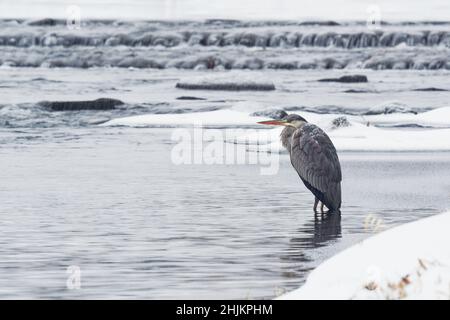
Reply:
x=291, y=120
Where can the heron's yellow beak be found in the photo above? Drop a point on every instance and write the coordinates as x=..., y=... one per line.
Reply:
x=274, y=122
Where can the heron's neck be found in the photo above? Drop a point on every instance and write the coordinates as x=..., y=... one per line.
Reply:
x=286, y=135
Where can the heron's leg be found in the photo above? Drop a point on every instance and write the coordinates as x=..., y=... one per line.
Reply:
x=316, y=202
x=321, y=209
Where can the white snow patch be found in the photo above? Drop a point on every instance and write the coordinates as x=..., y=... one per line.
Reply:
x=359, y=137
x=356, y=137
x=439, y=117
x=224, y=117
x=411, y=261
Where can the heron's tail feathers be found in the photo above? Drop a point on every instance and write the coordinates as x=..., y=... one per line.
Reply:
x=333, y=197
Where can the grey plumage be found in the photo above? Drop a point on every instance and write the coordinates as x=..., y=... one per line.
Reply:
x=314, y=157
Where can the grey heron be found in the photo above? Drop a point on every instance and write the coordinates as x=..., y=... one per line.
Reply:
x=314, y=157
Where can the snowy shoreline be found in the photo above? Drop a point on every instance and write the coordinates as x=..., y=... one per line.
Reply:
x=411, y=261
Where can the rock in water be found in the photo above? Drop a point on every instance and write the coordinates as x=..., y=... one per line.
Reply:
x=189, y=98
x=320, y=23
x=390, y=107
x=45, y=22
x=430, y=89
x=357, y=78
x=357, y=91
x=276, y=114
x=228, y=82
x=99, y=104
x=226, y=86
x=341, y=122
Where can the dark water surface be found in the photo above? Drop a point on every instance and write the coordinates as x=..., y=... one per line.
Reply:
x=110, y=201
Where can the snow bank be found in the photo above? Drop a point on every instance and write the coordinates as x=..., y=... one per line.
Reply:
x=249, y=113
x=439, y=117
x=358, y=136
x=225, y=117
x=227, y=81
x=411, y=261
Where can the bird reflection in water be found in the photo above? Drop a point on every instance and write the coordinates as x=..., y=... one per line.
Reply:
x=318, y=232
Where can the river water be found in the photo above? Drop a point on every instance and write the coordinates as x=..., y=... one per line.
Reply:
x=110, y=202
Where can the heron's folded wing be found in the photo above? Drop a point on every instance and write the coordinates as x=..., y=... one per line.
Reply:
x=314, y=157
